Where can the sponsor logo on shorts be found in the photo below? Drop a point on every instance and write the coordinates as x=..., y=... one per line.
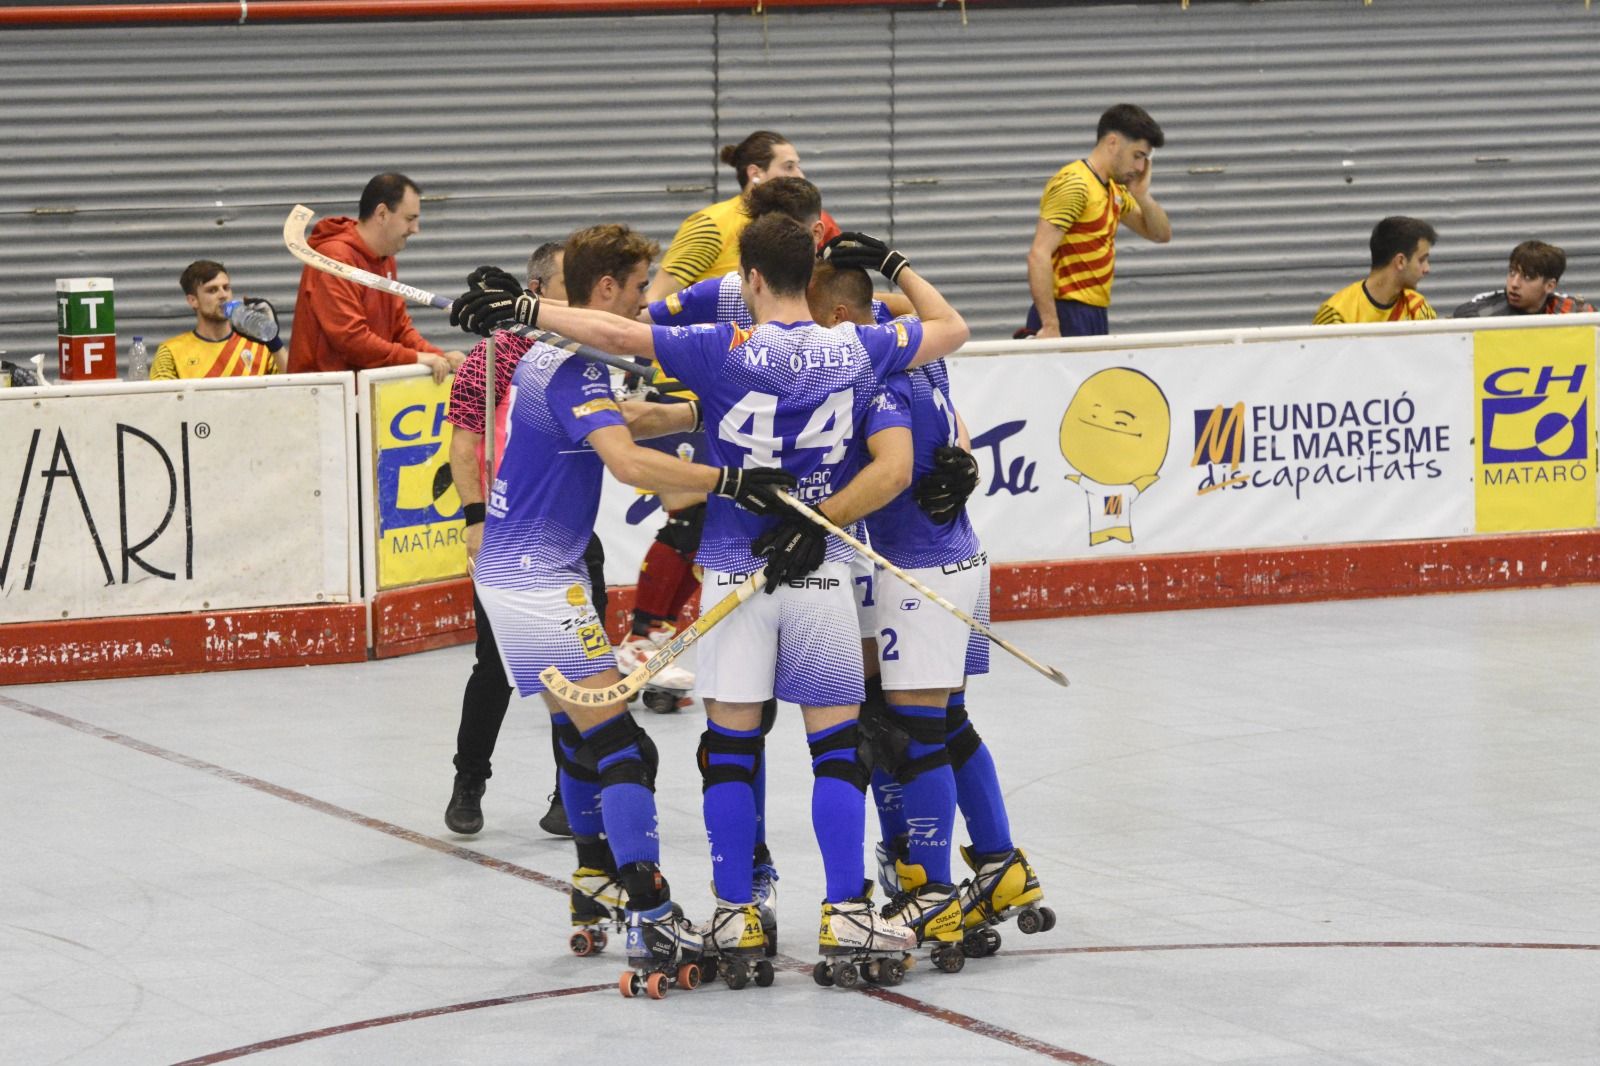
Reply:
x=725, y=580
x=593, y=639
x=966, y=564
x=595, y=407
x=576, y=596
x=910, y=604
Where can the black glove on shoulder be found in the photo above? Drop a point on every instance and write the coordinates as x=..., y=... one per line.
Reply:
x=482, y=311
x=493, y=279
x=851, y=249
x=942, y=493
x=755, y=489
x=793, y=548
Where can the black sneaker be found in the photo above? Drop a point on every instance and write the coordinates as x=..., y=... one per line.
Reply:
x=464, y=815
x=554, y=821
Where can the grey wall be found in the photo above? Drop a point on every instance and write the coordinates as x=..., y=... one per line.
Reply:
x=1292, y=126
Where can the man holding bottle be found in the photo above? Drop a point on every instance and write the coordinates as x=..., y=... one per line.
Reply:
x=215, y=348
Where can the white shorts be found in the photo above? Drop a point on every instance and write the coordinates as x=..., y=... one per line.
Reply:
x=863, y=581
x=800, y=643
x=922, y=645
x=537, y=627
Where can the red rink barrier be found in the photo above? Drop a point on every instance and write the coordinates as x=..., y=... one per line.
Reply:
x=440, y=615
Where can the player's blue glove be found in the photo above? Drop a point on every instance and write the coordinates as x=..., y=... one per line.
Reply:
x=850, y=249
x=482, y=311
x=755, y=489
x=942, y=492
x=793, y=548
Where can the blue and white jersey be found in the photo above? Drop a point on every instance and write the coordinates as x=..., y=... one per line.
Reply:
x=900, y=531
x=787, y=395
x=546, y=491
x=720, y=300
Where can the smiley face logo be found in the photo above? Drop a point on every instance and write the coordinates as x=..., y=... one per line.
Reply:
x=1115, y=434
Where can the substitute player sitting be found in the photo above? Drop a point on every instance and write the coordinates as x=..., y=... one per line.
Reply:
x=787, y=395
x=563, y=427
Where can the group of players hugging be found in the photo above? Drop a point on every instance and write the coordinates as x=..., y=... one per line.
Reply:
x=803, y=384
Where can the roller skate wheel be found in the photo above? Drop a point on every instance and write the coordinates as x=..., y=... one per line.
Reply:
x=948, y=958
x=822, y=974
x=655, y=986
x=708, y=969
x=845, y=974
x=1049, y=919
x=892, y=972
x=736, y=973
x=599, y=937
x=629, y=984
x=689, y=975
x=764, y=974
x=1030, y=921
x=661, y=701
x=582, y=943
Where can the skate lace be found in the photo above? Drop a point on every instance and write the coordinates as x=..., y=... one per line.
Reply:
x=898, y=903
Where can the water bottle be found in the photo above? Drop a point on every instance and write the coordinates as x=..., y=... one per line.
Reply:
x=138, y=361
x=249, y=321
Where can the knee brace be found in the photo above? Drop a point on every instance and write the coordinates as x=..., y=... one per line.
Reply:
x=717, y=773
x=847, y=767
x=769, y=716
x=903, y=730
x=617, y=736
x=576, y=758
x=961, y=739
x=681, y=531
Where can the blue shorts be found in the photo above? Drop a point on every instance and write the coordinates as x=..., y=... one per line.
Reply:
x=1076, y=319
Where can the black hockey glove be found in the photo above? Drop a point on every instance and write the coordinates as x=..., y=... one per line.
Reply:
x=943, y=491
x=483, y=311
x=868, y=253
x=793, y=548
x=493, y=279
x=755, y=489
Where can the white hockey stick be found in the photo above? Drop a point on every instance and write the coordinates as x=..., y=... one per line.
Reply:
x=1048, y=671
x=625, y=689
x=294, y=238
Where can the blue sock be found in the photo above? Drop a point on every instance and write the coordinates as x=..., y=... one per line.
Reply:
x=888, y=797
x=978, y=794
x=732, y=822
x=761, y=801
x=580, y=798
x=929, y=800
x=839, y=819
x=629, y=812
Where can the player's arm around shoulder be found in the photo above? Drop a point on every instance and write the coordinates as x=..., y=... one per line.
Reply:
x=644, y=468
x=886, y=476
x=600, y=329
x=646, y=420
x=943, y=328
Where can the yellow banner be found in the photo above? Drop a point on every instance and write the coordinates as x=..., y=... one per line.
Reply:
x=417, y=508
x=1535, y=429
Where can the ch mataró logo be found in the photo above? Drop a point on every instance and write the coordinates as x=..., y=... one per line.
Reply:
x=1535, y=415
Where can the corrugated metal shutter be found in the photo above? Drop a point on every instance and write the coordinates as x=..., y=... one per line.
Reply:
x=1292, y=127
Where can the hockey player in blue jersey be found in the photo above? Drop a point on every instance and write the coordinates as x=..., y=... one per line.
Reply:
x=564, y=427
x=788, y=394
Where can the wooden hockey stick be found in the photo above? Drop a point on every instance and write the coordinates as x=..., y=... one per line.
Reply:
x=1048, y=671
x=625, y=689
x=294, y=238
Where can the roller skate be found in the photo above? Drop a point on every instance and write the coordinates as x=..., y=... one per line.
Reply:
x=668, y=690
x=932, y=911
x=889, y=854
x=764, y=893
x=1003, y=886
x=596, y=907
x=664, y=951
x=856, y=943
x=736, y=947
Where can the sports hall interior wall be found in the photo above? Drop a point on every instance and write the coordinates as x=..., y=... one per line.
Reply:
x=1292, y=126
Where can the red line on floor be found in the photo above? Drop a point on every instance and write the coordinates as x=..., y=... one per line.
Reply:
x=1295, y=944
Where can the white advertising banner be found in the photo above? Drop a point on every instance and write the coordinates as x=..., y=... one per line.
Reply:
x=156, y=498
x=1224, y=446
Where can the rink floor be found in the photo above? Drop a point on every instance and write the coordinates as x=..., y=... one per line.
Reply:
x=1326, y=834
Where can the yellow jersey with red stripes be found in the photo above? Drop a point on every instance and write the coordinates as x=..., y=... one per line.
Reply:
x=1354, y=304
x=189, y=355
x=1087, y=209
x=707, y=244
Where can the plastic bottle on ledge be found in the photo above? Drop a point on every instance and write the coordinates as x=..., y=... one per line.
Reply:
x=138, y=361
x=251, y=322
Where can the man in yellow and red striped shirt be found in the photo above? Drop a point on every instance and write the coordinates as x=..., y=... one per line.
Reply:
x=213, y=349
x=1072, y=261
x=1402, y=252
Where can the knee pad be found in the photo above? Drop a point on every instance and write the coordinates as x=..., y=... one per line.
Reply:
x=681, y=531
x=714, y=743
x=615, y=736
x=769, y=716
x=580, y=764
x=905, y=730
x=961, y=739
x=850, y=768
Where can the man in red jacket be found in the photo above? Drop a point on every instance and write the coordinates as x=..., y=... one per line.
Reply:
x=339, y=325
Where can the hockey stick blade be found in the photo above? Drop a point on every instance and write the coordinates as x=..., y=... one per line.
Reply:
x=978, y=627
x=624, y=690
x=294, y=239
